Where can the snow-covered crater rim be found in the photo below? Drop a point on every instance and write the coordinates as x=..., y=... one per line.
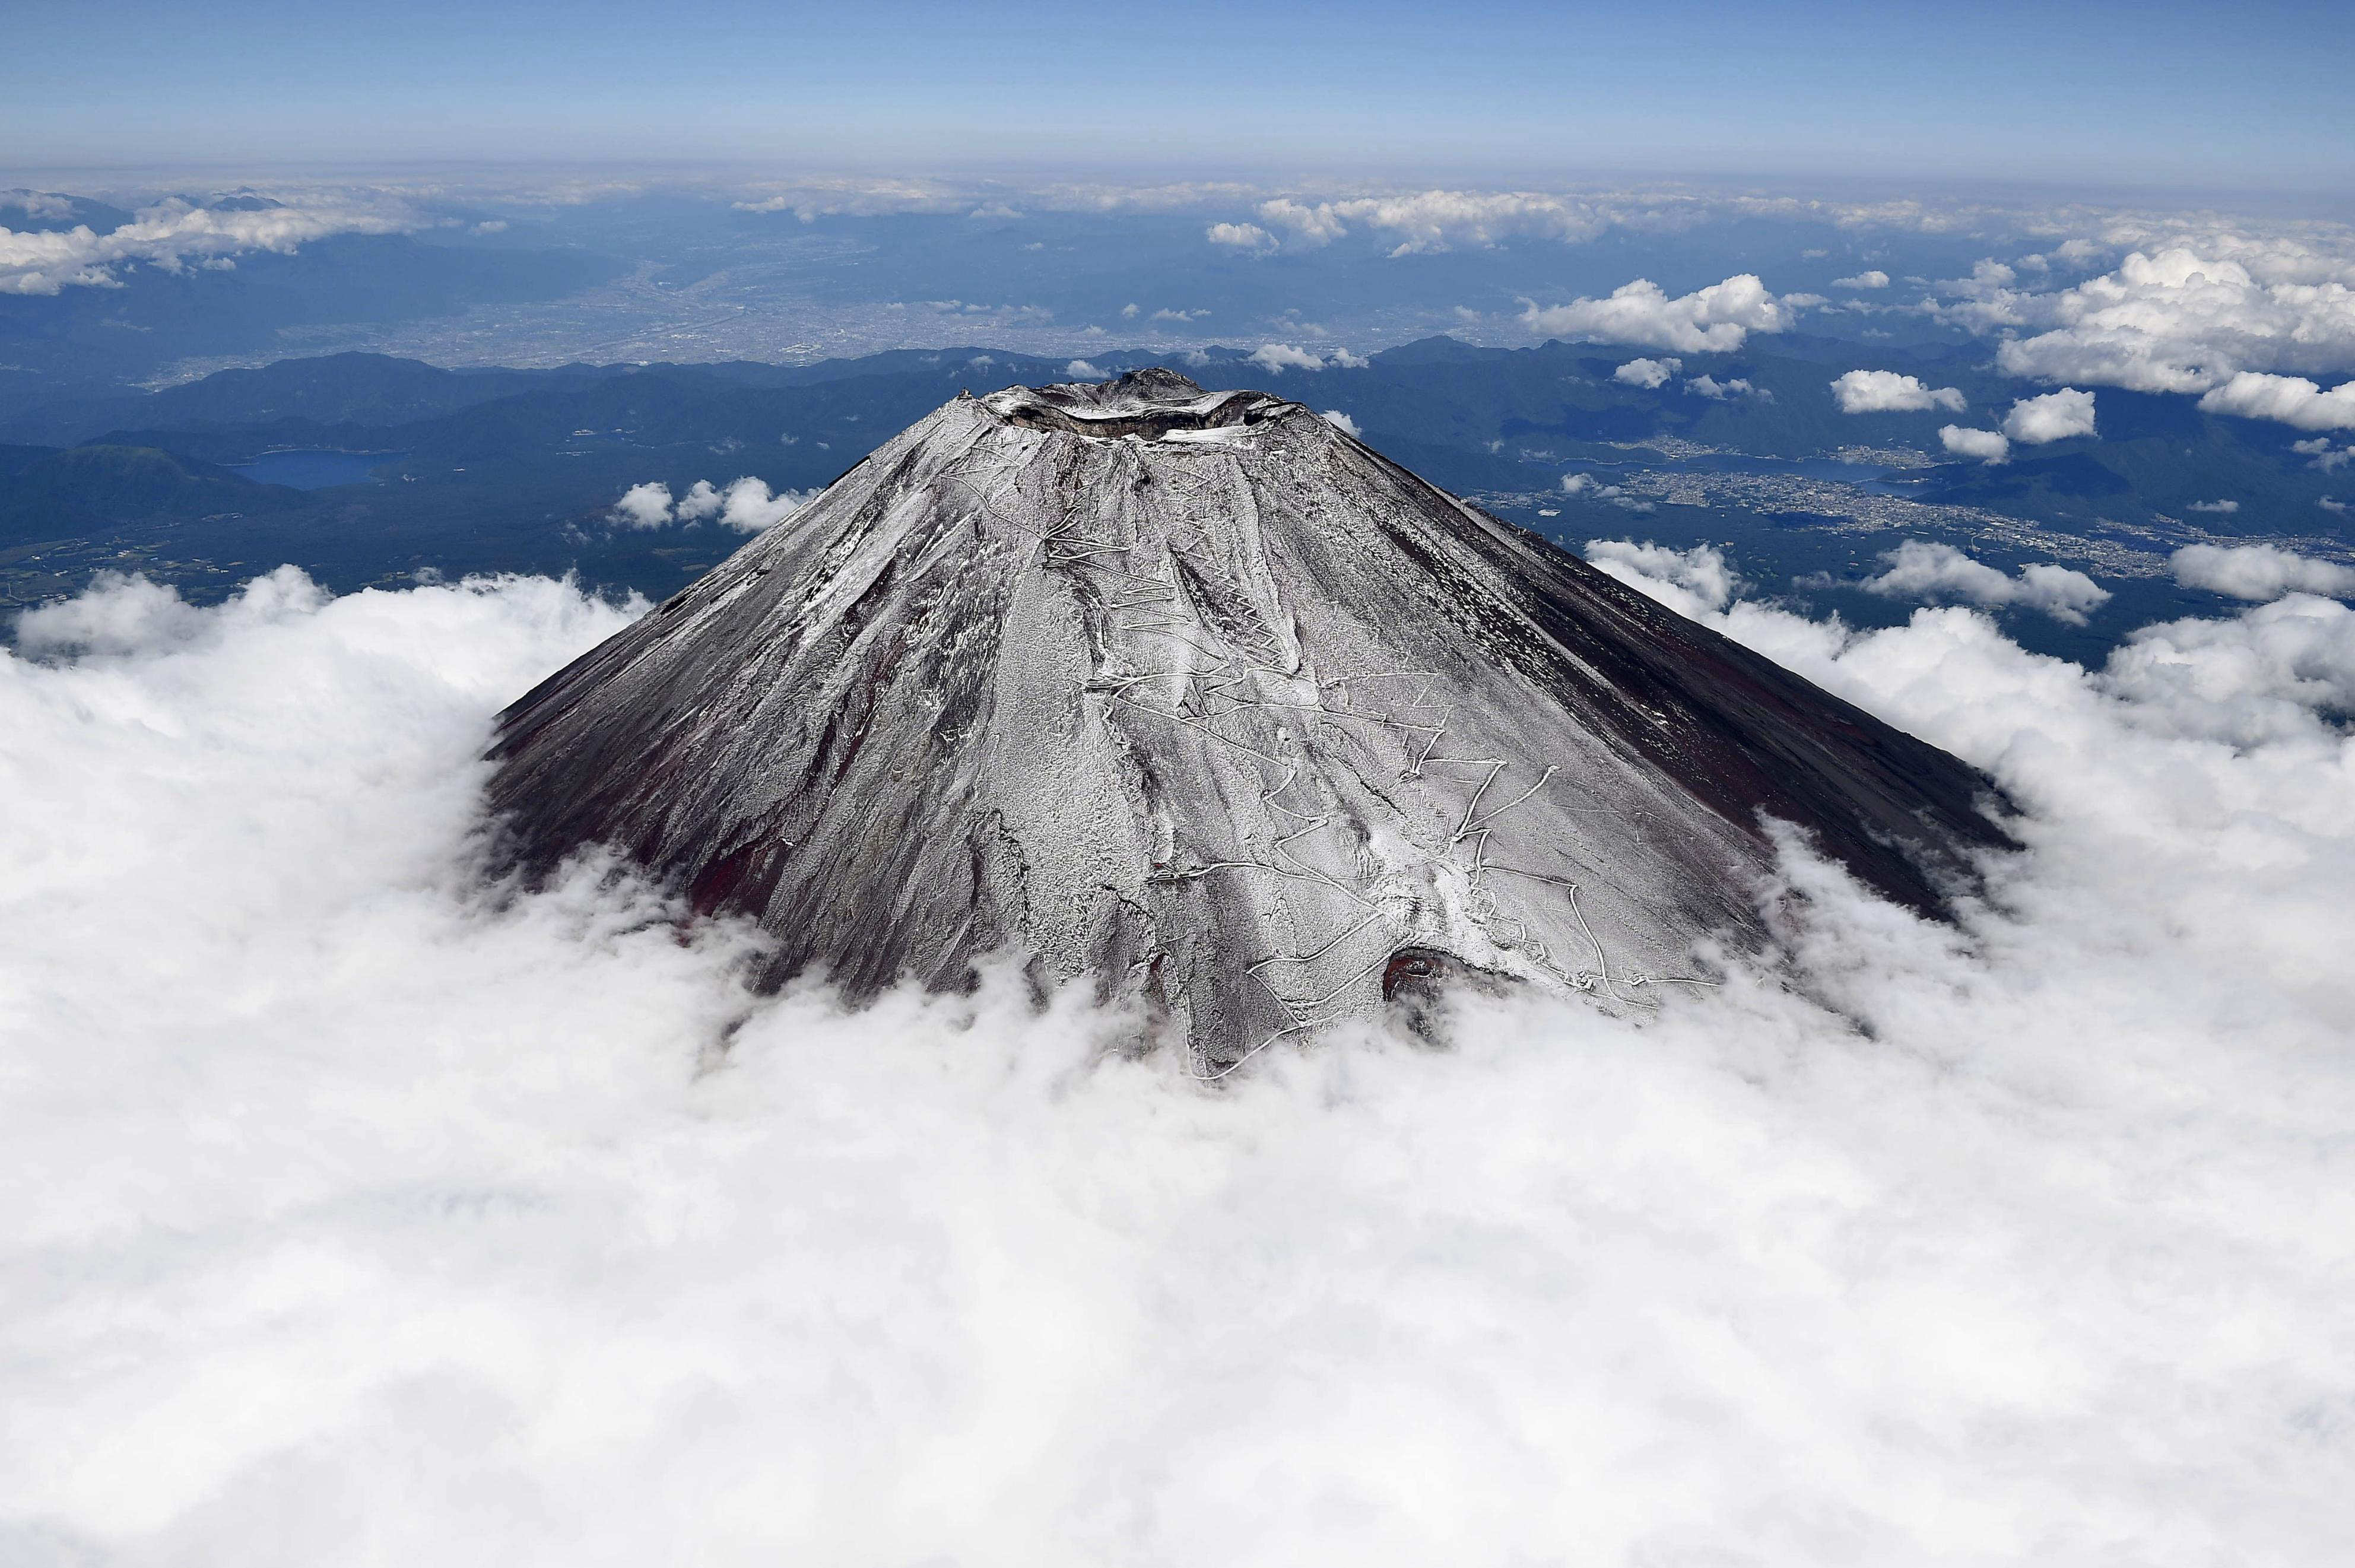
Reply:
x=1144, y=405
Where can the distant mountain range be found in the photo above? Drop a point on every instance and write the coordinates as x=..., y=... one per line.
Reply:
x=515, y=470
x=82, y=343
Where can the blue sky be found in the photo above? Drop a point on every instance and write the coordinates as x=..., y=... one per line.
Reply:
x=2164, y=93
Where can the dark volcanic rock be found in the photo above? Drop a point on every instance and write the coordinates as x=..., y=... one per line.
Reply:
x=1193, y=693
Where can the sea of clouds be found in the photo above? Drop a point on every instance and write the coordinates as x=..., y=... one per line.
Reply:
x=356, y=1212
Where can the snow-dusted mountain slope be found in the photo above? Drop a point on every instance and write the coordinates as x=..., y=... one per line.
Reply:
x=1195, y=694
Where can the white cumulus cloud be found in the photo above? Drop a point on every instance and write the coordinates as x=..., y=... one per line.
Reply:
x=2180, y=321
x=1987, y=446
x=750, y=506
x=1344, y=424
x=645, y=506
x=746, y=505
x=1872, y=278
x=1716, y=319
x=1310, y=225
x=2250, y=680
x=1989, y=278
x=1920, y=570
x=2259, y=572
x=1649, y=374
x=1278, y=358
x=2292, y=400
x=1887, y=392
x=2054, y=416
x=1241, y=236
x=1688, y=582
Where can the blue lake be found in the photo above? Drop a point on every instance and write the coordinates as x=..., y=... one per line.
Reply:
x=313, y=470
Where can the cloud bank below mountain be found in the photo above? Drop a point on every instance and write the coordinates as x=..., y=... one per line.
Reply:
x=353, y=1207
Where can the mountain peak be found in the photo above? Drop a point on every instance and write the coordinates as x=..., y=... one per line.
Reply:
x=1151, y=383
x=1148, y=404
x=1190, y=696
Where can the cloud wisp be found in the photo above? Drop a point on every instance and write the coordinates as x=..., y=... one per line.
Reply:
x=352, y=1208
x=1732, y=388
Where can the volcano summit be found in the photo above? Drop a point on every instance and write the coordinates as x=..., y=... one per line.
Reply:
x=1194, y=694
